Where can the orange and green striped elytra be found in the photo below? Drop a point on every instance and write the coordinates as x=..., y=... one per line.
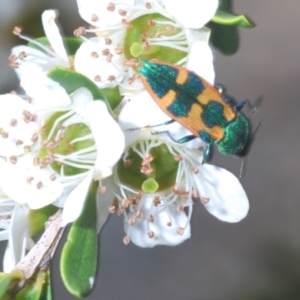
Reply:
x=191, y=101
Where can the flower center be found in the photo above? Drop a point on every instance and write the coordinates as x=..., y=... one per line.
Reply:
x=155, y=184
x=67, y=144
x=155, y=36
x=148, y=166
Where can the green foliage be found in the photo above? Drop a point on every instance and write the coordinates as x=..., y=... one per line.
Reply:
x=225, y=18
x=78, y=262
x=34, y=287
x=38, y=217
x=72, y=81
x=224, y=32
x=163, y=175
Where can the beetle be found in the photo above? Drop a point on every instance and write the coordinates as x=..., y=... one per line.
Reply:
x=197, y=105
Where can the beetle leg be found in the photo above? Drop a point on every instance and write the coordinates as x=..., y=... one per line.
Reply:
x=239, y=105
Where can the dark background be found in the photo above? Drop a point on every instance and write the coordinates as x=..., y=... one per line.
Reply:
x=256, y=259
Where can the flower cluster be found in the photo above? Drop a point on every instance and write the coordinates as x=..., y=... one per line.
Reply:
x=84, y=117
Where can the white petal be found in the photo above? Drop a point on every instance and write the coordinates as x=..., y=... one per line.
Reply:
x=142, y=111
x=12, y=108
x=192, y=13
x=45, y=92
x=16, y=244
x=104, y=201
x=227, y=199
x=53, y=35
x=108, y=136
x=92, y=66
x=19, y=228
x=13, y=180
x=163, y=234
x=197, y=35
x=37, y=57
x=200, y=61
x=8, y=260
x=80, y=99
x=75, y=201
x=89, y=8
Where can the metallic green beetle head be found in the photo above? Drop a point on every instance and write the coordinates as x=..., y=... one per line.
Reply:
x=237, y=136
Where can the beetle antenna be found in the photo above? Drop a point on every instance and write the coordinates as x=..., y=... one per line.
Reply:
x=150, y=126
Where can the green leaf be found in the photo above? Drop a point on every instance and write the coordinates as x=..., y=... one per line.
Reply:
x=47, y=293
x=224, y=38
x=71, y=81
x=71, y=44
x=113, y=96
x=225, y=18
x=5, y=281
x=78, y=263
x=33, y=288
x=38, y=217
x=8, y=280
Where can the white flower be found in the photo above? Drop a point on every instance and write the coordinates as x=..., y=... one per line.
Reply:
x=103, y=59
x=14, y=228
x=162, y=216
x=192, y=13
x=45, y=57
x=107, y=13
x=54, y=146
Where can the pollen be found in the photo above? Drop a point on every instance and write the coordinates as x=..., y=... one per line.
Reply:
x=126, y=240
x=181, y=208
x=34, y=138
x=94, y=54
x=122, y=12
x=22, y=55
x=4, y=135
x=127, y=163
x=178, y=157
x=97, y=78
x=53, y=177
x=151, y=23
x=126, y=24
x=118, y=50
x=156, y=201
x=111, y=7
x=131, y=221
x=150, y=234
x=205, y=200
x=112, y=209
x=151, y=218
x=139, y=214
x=95, y=18
x=125, y=203
x=111, y=78
x=195, y=170
x=108, y=41
x=19, y=143
x=195, y=193
x=180, y=231
x=29, y=180
x=13, y=122
x=17, y=30
x=27, y=149
x=79, y=32
x=102, y=189
x=13, y=160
